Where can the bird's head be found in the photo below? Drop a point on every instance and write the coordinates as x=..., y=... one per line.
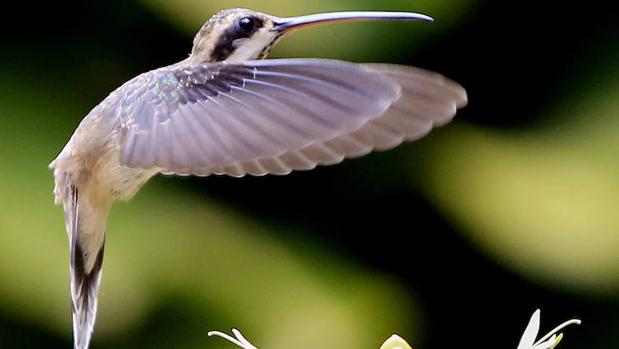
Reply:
x=236, y=35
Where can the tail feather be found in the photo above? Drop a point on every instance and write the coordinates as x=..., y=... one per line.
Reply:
x=84, y=289
x=86, y=263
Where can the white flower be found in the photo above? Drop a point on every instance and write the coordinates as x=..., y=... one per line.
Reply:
x=395, y=342
x=238, y=338
x=549, y=341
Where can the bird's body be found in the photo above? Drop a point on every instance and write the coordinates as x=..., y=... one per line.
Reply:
x=224, y=110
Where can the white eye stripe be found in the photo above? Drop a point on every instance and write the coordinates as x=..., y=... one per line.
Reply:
x=250, y=48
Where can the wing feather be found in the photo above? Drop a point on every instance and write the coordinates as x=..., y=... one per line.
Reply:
x=276, y=116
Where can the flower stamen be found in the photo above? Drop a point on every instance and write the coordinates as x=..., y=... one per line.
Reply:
x=558, y=328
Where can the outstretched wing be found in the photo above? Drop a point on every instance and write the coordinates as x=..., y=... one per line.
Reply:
x=274, y=116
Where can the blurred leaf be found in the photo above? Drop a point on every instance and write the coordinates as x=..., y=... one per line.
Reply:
x=543, y=201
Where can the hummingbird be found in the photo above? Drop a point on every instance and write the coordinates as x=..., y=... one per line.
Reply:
x=226, y=110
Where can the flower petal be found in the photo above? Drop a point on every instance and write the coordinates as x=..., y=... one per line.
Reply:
x=239, y=340
x=395, y=342
x=528, y=337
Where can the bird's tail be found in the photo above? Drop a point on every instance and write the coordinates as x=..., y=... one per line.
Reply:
x=86, y=230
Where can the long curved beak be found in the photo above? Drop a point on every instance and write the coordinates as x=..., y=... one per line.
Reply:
x=290, y=23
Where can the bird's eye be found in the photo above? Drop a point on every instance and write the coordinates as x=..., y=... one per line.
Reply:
x=248, y=25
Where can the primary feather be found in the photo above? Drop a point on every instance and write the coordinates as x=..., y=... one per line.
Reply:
x=275, y=116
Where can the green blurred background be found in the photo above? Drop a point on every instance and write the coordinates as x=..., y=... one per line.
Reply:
x=450, y=241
